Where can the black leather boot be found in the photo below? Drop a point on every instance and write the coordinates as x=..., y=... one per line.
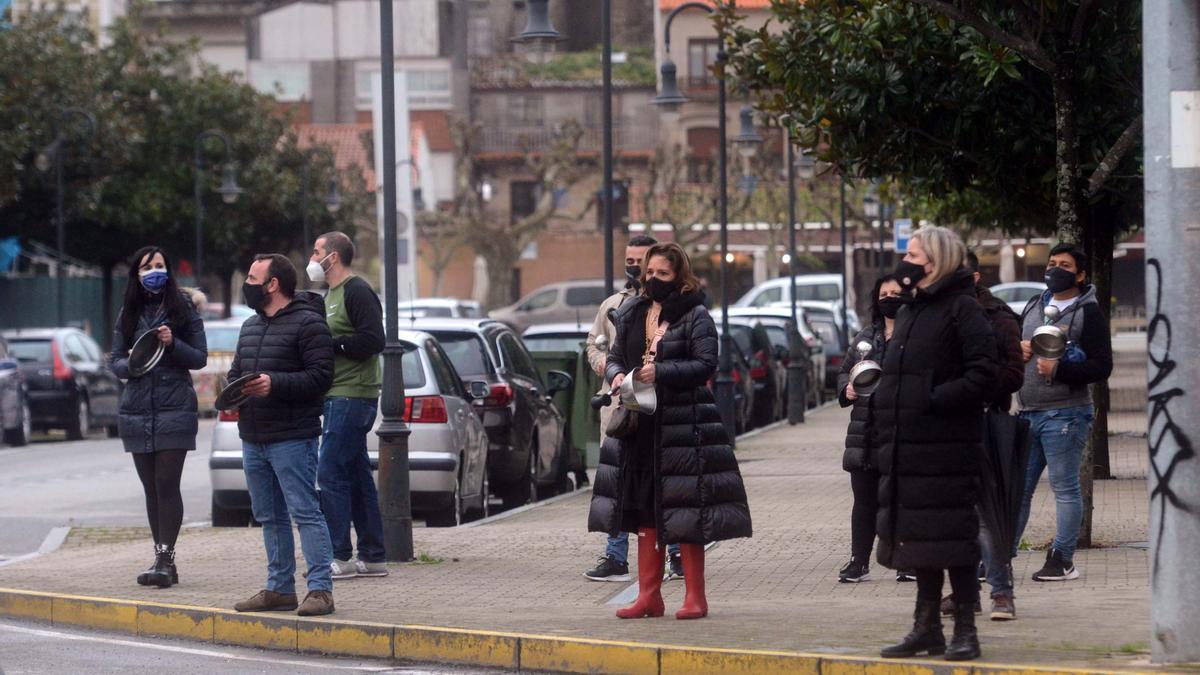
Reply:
x=143, y=579
x=164, y=573
x=926, y=635
x=964, y=646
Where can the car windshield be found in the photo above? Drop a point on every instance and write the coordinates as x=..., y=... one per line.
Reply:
x=222, y=338
x=410, y=366
x=556, y=342
x=826, y=330
x=741, y=335
x=439, y=311
x=31, y=351
x=778, y=336
x=467, y=352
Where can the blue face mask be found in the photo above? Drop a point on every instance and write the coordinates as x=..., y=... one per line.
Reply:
x=154, y=280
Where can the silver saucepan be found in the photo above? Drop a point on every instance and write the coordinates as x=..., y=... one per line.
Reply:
x=865, y=374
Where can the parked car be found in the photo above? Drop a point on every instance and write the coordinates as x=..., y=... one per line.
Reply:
x=1017, y=294
x=446, y=308
x=767, y=377
x=215, y=311
x=221, y=337
x=527, y=455
x=14, y=400
x=447, y=446
x=743, y=387
x=830, y=330
x=69, y=384
x=778, y=323
x=554, y=337
x=568, y=301
x=811, y=287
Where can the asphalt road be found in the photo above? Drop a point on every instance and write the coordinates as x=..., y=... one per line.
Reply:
x=53, y=482
x=35, y=648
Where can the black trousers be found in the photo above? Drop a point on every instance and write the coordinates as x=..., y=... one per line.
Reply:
x=865, y=485
x=160, y=473
x=963, y=584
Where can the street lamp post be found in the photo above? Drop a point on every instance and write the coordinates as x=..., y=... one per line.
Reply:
x=54, y=153
x=845, y=281
x=229, y=189
x=333, y=201
x=394, y=498
x=797, y=351
x=669, y=99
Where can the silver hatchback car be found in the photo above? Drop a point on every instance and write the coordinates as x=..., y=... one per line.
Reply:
x=447, y=446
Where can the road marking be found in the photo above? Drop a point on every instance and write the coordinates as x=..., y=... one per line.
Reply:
x=50, y=544
x=214, y=653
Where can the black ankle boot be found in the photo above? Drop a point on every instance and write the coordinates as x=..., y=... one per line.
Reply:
x=143, y=579
x=926, y=635
x=964, y=646
x=163, y=574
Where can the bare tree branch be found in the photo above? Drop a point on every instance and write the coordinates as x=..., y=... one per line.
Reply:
x=1030, y=51
x=1113, y=157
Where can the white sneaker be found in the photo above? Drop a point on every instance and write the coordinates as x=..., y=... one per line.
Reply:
x=342, y=569
x=370, y=569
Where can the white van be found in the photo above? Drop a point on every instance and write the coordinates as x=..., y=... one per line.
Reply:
x=823, y=287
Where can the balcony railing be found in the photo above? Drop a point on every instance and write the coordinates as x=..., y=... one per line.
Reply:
x=533, y=139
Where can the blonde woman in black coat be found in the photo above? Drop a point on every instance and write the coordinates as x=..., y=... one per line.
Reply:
x=676, y=480
x=938, y=372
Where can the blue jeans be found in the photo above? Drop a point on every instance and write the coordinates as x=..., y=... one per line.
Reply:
x=348, y=491
x=282, y=479
x=1056, y=441
x=998, y=566
x=618, y=548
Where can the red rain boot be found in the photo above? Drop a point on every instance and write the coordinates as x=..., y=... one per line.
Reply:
x=649, y=601
x=695, y=606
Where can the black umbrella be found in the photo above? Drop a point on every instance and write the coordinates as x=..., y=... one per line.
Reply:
x=1005, y=455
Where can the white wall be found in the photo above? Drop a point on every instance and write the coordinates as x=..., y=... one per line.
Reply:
x=299, y=32
x=415, y=25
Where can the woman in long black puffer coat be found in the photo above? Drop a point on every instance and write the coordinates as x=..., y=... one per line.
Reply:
x=938, y=373
x=676, y=480
x=158, y=411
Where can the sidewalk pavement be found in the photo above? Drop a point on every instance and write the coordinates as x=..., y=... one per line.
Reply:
x=776, y=591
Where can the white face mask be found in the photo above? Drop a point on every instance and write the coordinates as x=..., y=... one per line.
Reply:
x=316, y=269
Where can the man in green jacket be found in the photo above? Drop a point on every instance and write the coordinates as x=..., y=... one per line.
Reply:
x=348, y=492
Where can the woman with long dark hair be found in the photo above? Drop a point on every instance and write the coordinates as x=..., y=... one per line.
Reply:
x=674, y=480
x=938, y=372
x=158, y=419
x=886, y=300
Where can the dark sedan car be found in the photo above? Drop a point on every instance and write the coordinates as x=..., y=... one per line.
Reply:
x=69, y=385
x=14, y=399
x=743, y=386
x=527, y=455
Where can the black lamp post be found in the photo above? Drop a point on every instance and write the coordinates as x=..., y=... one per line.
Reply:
x=229, y=189
x=669, y=99
x=54, y=154
x=395, y=505
x=333, y=200
x=797, y=351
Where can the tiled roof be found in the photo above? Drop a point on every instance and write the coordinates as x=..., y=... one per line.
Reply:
x=436, y=126
x=668, y=5
x=346, y=142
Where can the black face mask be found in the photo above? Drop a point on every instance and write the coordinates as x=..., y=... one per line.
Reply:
x=1059, y=279
x=659, y=290
x=891, y=305
x=909, y=273
x=254, y=295
x=633, y=277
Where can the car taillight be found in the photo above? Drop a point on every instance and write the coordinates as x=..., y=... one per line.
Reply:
x=499, y=396
x=61, y=370
x=835, y=360
x=758, y=366
x=228, y=416
x=737, y=376
x=425, y=410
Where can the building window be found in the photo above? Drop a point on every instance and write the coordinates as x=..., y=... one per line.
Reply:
x=287, y=82
x=479, y=33
x=426, y=87
x=523, y=198
x=702, y=55
x=526, y=111
x=702, y=144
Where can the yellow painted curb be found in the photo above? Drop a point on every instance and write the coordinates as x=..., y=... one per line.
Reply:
x=512, y=651
x=344, y=638
x=587, y=656
x=449, y=645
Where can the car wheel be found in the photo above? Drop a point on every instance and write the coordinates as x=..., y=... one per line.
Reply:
x=80, y=426
x=223, y=517
x=484, y=509
x=450, y=515
x=19, y=436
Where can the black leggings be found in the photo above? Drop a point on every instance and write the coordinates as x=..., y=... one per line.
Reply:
x=963, y=584
x=160, y=473
x=865, y=485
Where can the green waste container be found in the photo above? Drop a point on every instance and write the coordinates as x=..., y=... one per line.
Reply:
x=583, y=423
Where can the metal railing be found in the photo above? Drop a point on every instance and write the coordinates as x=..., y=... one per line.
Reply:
x=533, y=139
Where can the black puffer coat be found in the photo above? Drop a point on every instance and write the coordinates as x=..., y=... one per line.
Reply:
x=295, y=349
x=856, y=457
x=939, y=370
x=158, y=409
x=699, y=495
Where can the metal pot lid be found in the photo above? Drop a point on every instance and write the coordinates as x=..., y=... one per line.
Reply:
x=1048, y=342
x=865, y=376
x=147, y=351
x=231, y=397
x=638, y=396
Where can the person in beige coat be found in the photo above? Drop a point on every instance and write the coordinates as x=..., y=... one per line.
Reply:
x=614, y=564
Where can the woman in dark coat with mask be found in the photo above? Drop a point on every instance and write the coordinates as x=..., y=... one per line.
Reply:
x=938, y=372
x=157, y=418
x=676, y=479
x=886, y=300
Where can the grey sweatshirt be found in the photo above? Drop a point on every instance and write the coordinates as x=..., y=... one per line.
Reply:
x=1086, y=328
